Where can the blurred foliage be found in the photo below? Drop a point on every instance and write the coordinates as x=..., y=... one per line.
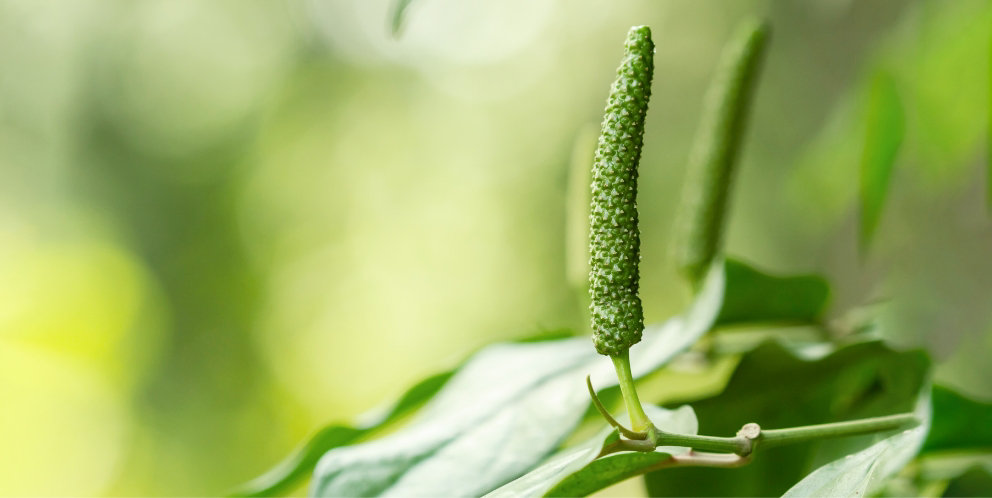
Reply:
x=963, y=422
x=883, y=137
x=752, y=295
x=223, y=224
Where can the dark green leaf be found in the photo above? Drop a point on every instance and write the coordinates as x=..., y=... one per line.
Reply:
x=883, y=137
x=504, y=411
x=958, y=422
x=576, y=472
x=753, y=296
x=976, y=481
x=779, y=386
x=288, y=473
x=862, y=473
x=608, y=471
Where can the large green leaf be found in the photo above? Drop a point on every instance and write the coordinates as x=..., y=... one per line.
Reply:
x=753, y=296
x=777, y=386
x=959, y=422
x=740, y=280
x=504, y=411
x=288, y=473
x=885, y=128
x=956, y=459
x=856, y=475
x=957, y=454
x=293, y=469
x=576, y=471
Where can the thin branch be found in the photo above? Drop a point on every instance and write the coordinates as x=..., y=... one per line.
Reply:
x=751, y=436
x=778, y=437
x=609, y=418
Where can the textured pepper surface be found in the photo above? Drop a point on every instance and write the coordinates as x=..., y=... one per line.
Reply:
x=614, y=241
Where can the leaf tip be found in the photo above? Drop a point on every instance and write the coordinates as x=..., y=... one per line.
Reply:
x=400, y=8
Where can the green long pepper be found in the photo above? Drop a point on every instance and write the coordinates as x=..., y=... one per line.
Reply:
x=617, y=318
x=716, y=150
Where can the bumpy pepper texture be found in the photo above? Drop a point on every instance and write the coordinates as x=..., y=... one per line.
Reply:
x=617, y=319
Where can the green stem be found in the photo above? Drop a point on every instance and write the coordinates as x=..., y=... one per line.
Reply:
x=743, y=444
x=738, y=445
x=778, y=437
x=639, y=421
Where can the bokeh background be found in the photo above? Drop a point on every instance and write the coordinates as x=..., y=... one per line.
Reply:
x=225, y=223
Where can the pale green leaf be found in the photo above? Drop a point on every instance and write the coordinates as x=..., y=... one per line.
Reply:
x=292, y=470
x=288, y=473
x=862, y=473
x=505, y=410
x=576, y=471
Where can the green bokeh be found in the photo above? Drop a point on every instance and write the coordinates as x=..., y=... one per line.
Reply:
x=224, y=224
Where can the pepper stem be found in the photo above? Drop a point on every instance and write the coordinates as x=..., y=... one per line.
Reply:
x=639, y=421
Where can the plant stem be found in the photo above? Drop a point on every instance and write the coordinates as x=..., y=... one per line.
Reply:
x=742, y=445
x=778, y=437
x=738, y=445
x=639, y=421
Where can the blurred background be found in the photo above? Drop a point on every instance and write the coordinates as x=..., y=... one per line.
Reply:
x=226, y=223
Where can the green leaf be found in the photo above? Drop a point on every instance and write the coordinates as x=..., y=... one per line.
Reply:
x=608, y=471
x=976, y=481
x=883, y=136
x=740, y=281
x=288, y=473
x=566, y=462
x=779, y=385
x=612, y=469
x=399, y=16
x=504, y=411
x=292, y=470
x=956, y=459
x=959, y=423
x=752, y=296
x=861, y=473
x=949, y=464
x=576, y=471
